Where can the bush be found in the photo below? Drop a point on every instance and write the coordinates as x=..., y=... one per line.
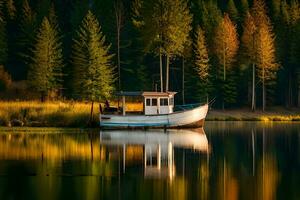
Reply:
x=5, y=79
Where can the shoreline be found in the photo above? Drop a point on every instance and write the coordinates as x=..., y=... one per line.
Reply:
x=70, y=114
x=274, y=114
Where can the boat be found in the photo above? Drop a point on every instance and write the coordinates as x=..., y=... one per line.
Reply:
x=159, y=111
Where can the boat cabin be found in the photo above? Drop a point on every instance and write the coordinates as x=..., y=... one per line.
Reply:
x=158, y=102
x=154, y=103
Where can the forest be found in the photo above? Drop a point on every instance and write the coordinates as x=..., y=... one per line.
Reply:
x=238, y=53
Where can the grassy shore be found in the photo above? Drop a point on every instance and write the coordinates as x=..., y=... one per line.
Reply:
x=51, y=114
x=272, y=114
x=76, y=114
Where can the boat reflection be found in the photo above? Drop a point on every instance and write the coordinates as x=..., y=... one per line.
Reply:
x=157, y=147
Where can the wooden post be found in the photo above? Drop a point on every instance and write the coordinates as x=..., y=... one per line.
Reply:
x=124, y=106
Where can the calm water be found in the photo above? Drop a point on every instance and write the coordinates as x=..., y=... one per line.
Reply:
x=226, y=160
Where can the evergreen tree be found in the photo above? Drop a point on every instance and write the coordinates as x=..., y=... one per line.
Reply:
x=266, y=61
x=232, y=11
x=45, y=72
x=226, y=47
x=249, y=51
x=294, y=51
x=244, y=7
x=202, y=60
x=211, y=17
x=11, y=9
x=166, y=25
x=265, y=48
x=26, y=35
x=93, y=72
x=3, y=40
x=259, y=13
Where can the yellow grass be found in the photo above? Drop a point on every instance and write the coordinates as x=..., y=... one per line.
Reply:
x=57, y=113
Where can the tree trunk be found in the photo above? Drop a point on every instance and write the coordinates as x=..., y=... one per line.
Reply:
x=289, y=102
x=263, y=95
x=91, y=115
x=298, y=95
x=224, y=72
x=183, y=100
x=167, y=73
x=161, y=72
x=263, y=90
x=43, y=96
x=119, y=59
x=253, y=107
x=118, y=13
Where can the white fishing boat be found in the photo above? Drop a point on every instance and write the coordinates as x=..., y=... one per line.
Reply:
x=158, y=112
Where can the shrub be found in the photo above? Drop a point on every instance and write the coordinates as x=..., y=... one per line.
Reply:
x=5, y=79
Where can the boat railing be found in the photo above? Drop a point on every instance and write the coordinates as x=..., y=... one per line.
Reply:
x=187, y=106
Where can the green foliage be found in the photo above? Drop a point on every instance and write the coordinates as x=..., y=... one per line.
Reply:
x=26, y=36
x=248, y=40
x=201, y=55
x=166, y=25
x=244, y=7
x=153, y=26
x=93, y=72
x=226, y=44
x=3, y=40
x=232, y=11
x=11, y=9
x=46, y=69
x=202, y=61
x=211, y=16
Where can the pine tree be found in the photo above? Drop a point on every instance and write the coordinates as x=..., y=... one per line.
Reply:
x=226, y=46
x=45, y=72
x=244, y=7
x=259, y=13
x=211, y=17
x=202, y=60
x=26, y=35
x=265, y=47
x=249, y=50
x=3, y=39
x=294, y=51
x=226, y=43
x=11, y=9
x=93, y=72
x=166, y=25
x=201, y=55
x=266, y=61
x=232, y=11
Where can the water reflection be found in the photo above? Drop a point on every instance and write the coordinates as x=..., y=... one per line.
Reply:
x=157, y=147
x=227, y=161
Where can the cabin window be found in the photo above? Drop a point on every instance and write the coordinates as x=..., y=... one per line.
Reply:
x=154, y=102
x=148, y=103
x=164, y=101
x=171, y=101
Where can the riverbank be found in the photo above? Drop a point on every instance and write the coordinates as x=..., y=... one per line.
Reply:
x=272, y=114
x=51, y=114
x=76, y=114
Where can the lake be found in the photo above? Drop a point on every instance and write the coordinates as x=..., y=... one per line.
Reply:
x=225, y=160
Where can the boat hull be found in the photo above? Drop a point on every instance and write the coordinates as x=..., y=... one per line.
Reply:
x=184, y=119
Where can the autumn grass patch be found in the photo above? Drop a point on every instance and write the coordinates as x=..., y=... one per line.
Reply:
x=52, y=114
x=244, y=115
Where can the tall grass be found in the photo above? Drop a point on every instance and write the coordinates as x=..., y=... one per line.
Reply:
x=55, y=114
